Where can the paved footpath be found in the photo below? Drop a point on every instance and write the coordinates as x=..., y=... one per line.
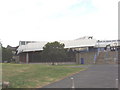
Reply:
x=96, y=76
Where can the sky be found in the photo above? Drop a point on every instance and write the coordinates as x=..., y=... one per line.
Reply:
x=54, y=20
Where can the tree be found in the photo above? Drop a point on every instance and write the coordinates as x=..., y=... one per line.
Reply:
x=6, y=54
x=53, y=52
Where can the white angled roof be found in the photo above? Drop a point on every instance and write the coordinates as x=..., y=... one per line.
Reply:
x=31, y=47
x=79, y=43
x=37, y=46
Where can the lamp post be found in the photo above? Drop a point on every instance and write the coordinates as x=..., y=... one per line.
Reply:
x=98, y=48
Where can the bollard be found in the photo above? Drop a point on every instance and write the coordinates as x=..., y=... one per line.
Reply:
x=116, y=84
x=73, y=85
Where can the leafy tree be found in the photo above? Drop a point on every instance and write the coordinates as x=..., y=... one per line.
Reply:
x=6, y=54
x=53, y=52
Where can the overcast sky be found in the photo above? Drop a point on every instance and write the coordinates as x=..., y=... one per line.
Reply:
x=50, y=20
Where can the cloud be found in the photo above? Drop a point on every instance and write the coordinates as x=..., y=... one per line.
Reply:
x=57, y=19
x=78, y=8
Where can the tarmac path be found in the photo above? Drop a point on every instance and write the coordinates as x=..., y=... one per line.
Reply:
x=96, y=76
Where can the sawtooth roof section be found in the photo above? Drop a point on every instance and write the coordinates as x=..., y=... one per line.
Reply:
x=68, y=44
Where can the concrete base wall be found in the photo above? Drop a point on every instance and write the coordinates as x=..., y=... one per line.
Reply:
x=87, y=56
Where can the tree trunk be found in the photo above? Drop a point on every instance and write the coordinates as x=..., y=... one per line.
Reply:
x=53, y=63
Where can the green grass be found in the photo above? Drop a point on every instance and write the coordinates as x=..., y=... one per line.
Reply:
x=35, y=75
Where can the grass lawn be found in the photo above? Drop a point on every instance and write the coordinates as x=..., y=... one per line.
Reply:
x=35, y=75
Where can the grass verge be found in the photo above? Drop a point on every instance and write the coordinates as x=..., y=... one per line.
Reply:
x=35, y=75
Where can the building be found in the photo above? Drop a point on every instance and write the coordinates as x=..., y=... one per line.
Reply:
x=84, y=48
